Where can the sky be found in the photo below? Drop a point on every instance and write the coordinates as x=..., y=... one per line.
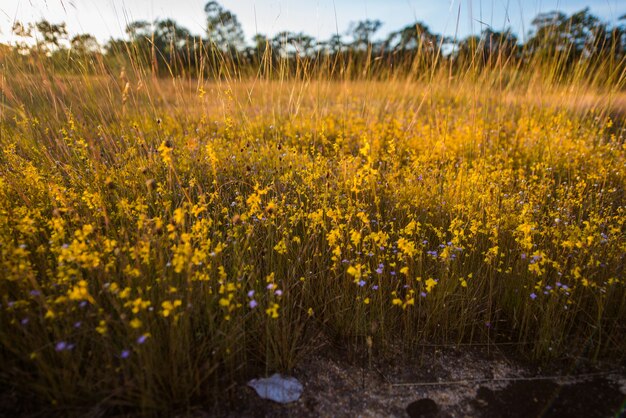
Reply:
x=319, y=18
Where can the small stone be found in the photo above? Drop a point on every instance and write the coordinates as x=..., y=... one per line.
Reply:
x=422, y=408
x=277, y=388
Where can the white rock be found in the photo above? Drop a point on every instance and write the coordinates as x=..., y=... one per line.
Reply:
x=277, y=388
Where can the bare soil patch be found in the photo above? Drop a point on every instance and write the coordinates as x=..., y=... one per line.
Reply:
x=447, y=382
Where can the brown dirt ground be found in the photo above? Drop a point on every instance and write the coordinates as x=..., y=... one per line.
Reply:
x=462, y=382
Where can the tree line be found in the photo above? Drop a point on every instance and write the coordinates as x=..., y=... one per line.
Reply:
x=167, y=48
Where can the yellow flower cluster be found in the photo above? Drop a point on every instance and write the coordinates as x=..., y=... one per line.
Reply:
x=238, y=231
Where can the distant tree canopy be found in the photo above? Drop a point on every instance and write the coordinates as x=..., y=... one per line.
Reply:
x=362, y=33
x=84, y=44
x=412, y=37
x=166, y=46
x=290, y=44
x=572, y=35
x=47, y=37
x=223, y=28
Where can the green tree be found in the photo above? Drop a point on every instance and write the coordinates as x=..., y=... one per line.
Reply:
x=169, y=37
x=163, y=43
x=139, y=30
x=291, y=44
x=333, y=45
x=416, y=36
x=362, y=33
x=549, y=33
x=23, y=34
x=50, y=35
x=223, y=28
x=47, y=37
x=567, y=37
x=84, y=44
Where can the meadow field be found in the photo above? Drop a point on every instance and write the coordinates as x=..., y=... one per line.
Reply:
x=164, y=239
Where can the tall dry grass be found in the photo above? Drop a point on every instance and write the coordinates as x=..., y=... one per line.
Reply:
x=163, y=238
